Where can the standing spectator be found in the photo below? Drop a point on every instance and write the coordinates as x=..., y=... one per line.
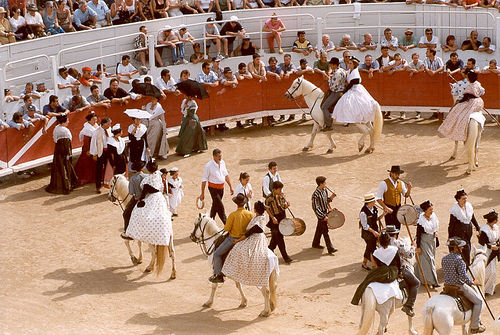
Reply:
x=326, y=45
x=492, y=68
x=385, y=58
x=19, y=25
x=166, y=83
x=64, y=16
x=346, y=43
x=322, y=66
x=450, y=44
x=50, y=20
x=321, y=207
x=346, y=57
x=188, y=6
x=53, y=108
x=367, y=43
x=125, y=70
x=174, y=8
x=103, y=13
x=369, y=66
x=35, y=21
x=409, y=41
x=274, y=27
x=274, y=71
x=427, y=241
x=301, y=45
x=170, y=40
x=303, y=68
x=84, y=18
x=78, y=103
x=232, y=29
x=213, y=35
x=40, y=88
x=116, y=94
x=96, y=99
x=487, y=46
x=472, y=42
x=454, y=64
x=428, y=40
x=432, y=63
x=246, y=48
x=389, y=41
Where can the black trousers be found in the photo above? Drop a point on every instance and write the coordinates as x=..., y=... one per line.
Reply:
x=277, y=238
x=322, y=230
x=392, y=219
x=100, y=166
x=127, y=213
x=217, y=205
x=371, y=244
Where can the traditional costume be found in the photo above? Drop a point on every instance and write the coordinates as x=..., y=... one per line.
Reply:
x=245, y=190
x=490, y=237
x=390, y=192
x=176, y=192
x=138, y=143
x=85, y=166
x=157, y=131
x=192, y=137
x=116, y=155
x=427, y=242
x=368, y=219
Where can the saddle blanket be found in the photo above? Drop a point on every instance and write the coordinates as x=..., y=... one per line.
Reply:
x=384, y=292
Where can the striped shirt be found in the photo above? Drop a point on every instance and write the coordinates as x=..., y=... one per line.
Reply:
x=276, y=203
x=320, y=202
x=433, y=65
x=455, y=270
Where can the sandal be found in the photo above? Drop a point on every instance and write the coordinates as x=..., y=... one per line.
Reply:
x=366, y=267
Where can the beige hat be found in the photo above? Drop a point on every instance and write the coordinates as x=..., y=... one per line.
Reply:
x=369, y=197
x=408, y=30
x=2, y=10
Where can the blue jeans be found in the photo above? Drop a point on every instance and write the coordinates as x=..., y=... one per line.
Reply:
x=223, y=249
x=55, y=31
x=470, y=294
x=412, y=284
x=180, y=51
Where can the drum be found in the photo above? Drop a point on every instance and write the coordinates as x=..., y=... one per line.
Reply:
x=336, y=219
x=292, y=227
x=409, y=213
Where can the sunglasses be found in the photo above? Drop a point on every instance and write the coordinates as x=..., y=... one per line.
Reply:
x=408, y=34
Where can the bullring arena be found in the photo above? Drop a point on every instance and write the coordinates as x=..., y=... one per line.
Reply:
x=65, y=269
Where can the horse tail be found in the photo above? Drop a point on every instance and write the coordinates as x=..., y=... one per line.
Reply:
x=471, y=141
x=378, y=124
x=368, y=307
x=428, y=322
x=273, y=285
x=161, y=255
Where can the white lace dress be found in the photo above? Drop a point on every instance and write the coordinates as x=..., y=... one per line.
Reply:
x=250, y=262
x=152, y=223
x=356, y=105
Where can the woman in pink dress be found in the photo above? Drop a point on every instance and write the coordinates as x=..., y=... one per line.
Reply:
x=274, y=27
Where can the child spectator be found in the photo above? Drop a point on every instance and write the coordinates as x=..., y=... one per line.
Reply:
x=185, y=37
x=450, y=44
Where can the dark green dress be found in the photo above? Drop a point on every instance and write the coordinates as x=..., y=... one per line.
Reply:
x=192, y=136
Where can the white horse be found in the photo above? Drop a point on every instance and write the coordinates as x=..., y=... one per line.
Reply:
x=313, y=96
x=206, y=233
x=441, y=312
x=369, y=305
x=118, y=192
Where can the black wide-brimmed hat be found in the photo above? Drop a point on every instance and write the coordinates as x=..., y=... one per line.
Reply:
x=391, y=230
x=455, y=242
x=396, y=169
x=491, y=216
x=240, y=199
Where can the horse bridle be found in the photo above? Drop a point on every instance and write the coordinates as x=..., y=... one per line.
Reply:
x=112, y=196
x=304, y=95
x=201, y=240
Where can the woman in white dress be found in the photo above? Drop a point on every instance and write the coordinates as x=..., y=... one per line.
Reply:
x=427, y=229
x=151, y=221
x=176, y=190
x=489, y=240
x=157, y=129
x=355, y=105
x=245, y=188
x=248, y=262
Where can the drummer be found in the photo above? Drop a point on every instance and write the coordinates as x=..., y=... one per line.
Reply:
x=320, y=205
x=389, y=195
x=276, y=206
x=369, y=218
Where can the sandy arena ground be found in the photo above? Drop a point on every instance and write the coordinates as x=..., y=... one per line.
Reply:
x=65, y=269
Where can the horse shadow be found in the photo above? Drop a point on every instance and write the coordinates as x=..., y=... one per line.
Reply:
x=180, y=241
x=110, y=280
x=26, y=196
x=206, y=320
x=309, y=254
x=339, y=277
x=486, y=192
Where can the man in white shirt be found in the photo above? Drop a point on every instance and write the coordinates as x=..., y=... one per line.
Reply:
x=34, y=20
x=64, y=80
x=269, y=179
x=326, y=45
x=389, y=41
x=103, y=13
x=487, y=46
x=215, y=174
x=166, y=83
x=428, y=40
x=98, y=149
x=125, y=70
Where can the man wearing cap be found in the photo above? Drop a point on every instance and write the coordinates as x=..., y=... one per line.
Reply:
x=409, y=41
x=389, y=195
x=84, y=17
x=303, y=68
x=34, y=20
x=236, y=226
x=135, y=190
x=406, y=254
x=455, y=274
x=87, y=79
x=228, y=78
x=6, y=34
x=320, y=205
x=232, y=29
x=32, y=115
x=337, y=84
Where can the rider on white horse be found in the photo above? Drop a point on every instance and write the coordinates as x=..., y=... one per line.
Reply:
x=135, y=191
x=455, y=274
x=336, y=83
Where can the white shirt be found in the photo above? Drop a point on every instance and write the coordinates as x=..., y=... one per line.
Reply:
x=382, y=188
x=119, y=145
x=385, y=61
x=491, y=47
x=16, y=23
x=215, y=173
x=245, y=190
x=125, y=69
x=37, y=19
x=434, y=40
x=69, y=80
x=397, y=67
x=165, y=86
x=265, y=182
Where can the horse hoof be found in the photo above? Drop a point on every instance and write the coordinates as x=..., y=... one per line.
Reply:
x=207, y=305
x=264, y=314
x=452, y=158
x=329, y=151
x=360, y=147
x=305, y=149
x=243, y=305
x=134, y=260
x=148, y=270
x=369, y=150
x=173, y=276
x=468, y=172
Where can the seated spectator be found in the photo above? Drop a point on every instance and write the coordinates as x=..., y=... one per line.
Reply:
x=367, y=43
x=33, y=115
x=53, y=108
x=67, y=101
x=454, y=65
x=325, y=45
x=274, y=27
x=346, y=43
x=212, y=32
x=120, y=13
x=219, y=72
x=487, y=46
x=273, y=70
x=243, y=72
x=205, y=6
x=246, y=48
x=135, y=91
x=87, y=79
x=252, y=4
x=116, y=94
x=283, y=3
x=3, y=125
x=301, y=45
x=103, y=13
x=232, y=29
x=385, y=58
x=174, y=8
x=84, y=18
x=50, y=20
x=35, y=21
x=435, y=2
x=268, y=3
x=9, y=97
x=19, y=25
x=491, y=68
x=64, y=80
x=96, y=99
x=197, y=55
x=303, y=68
x=388, y=40
x=20, y=124
x=64, y=16
x=125, y=70
x=187, y=7
x=257, y=68
x=409, y=41
x=415, y=66
x=471, y=66
x=488, y=3
x=73, y=72
x=344, y=63
x=287, y=66
x=144, y=77
x=140, y=43
x=28, y=89
x=471, y=43
x=6, y=34
x=409, y=2
x=169, y=39
x=166, y=83
x=317, y=2
x=228, y=78
x=369, y=66
x=322, y=66
x=453, y=3
x=450, y=44
x=40, y=88
x=398, y=64
x=432, y=63
x=99, y=73
x=207, y=77
x=223, y=5
x=428, y=40
x=468, y=4
x=28, y=102
x=185, y=37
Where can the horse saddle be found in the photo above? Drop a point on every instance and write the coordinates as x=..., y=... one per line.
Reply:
x=453, y=291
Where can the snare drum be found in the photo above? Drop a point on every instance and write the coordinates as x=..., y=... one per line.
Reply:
x=409, y=213
x=292, y=227
x=336, y=219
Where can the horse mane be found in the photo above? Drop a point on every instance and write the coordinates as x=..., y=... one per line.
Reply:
x=121, y=186
x=211, y=226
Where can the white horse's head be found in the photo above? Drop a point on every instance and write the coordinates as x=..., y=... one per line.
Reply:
x=118, y=188
x=204, y=228
x=295, y=90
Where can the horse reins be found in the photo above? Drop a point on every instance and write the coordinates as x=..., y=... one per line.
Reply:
x=202, y=239
x=120, y=202
x=304, y=95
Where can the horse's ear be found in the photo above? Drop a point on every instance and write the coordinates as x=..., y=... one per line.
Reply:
x=199, y=215
x=302, y=77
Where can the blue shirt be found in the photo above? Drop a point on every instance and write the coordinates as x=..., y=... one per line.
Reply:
x=47, y=109
x=209, y=78
x=373, y=65
x=80, y=17
x=276, y=70
x=101, y=9
x=454, y=270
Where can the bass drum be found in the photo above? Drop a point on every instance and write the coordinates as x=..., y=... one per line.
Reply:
x=336, y=219
x=292, y=227
x=408, y=212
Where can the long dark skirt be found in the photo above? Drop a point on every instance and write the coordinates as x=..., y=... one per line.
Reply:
x=63, y=178
x=192, y=136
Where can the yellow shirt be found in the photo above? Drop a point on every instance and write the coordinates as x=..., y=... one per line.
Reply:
x=237, y=222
